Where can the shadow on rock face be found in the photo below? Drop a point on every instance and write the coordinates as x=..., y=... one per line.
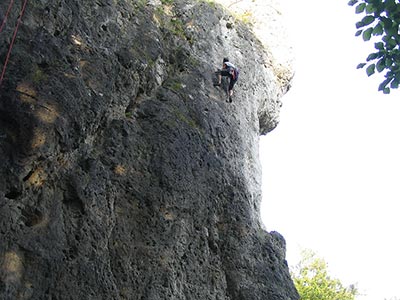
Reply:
x=17, y=123
x=27, y=124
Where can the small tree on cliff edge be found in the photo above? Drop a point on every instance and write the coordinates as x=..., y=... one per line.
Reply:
x=312, y=281
x=381, y=18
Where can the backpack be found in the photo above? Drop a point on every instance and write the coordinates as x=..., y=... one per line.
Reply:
x=235, y=74
x=232, y=70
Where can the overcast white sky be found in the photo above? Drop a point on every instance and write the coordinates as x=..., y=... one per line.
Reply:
x=331, y=169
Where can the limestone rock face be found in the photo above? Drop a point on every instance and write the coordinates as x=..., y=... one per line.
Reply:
x=124, y=173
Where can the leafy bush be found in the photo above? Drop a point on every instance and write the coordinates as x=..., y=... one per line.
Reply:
x=313, y=282
x=381, y=18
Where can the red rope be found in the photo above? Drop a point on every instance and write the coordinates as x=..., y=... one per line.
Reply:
x=12, y=42
x=6, y=15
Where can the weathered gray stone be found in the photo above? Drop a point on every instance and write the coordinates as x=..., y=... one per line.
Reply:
x=124, y=173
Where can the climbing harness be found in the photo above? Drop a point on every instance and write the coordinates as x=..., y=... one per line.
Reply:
x=14, y=34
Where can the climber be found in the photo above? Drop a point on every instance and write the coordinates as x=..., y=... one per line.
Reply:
x=229, y=70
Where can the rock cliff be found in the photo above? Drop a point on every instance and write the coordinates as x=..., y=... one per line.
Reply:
x=124, y=173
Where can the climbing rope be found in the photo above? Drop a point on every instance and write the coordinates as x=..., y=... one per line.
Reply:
x=6, y=15
x=14, y=35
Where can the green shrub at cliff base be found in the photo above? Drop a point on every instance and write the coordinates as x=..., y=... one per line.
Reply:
x=313, y=282
x=381, y=19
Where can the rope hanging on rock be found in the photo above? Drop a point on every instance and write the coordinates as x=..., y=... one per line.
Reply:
x=6, y=15
x=14, y=35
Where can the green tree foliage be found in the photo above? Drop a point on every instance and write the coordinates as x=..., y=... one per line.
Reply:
x=313, y=282
x=381, y=18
